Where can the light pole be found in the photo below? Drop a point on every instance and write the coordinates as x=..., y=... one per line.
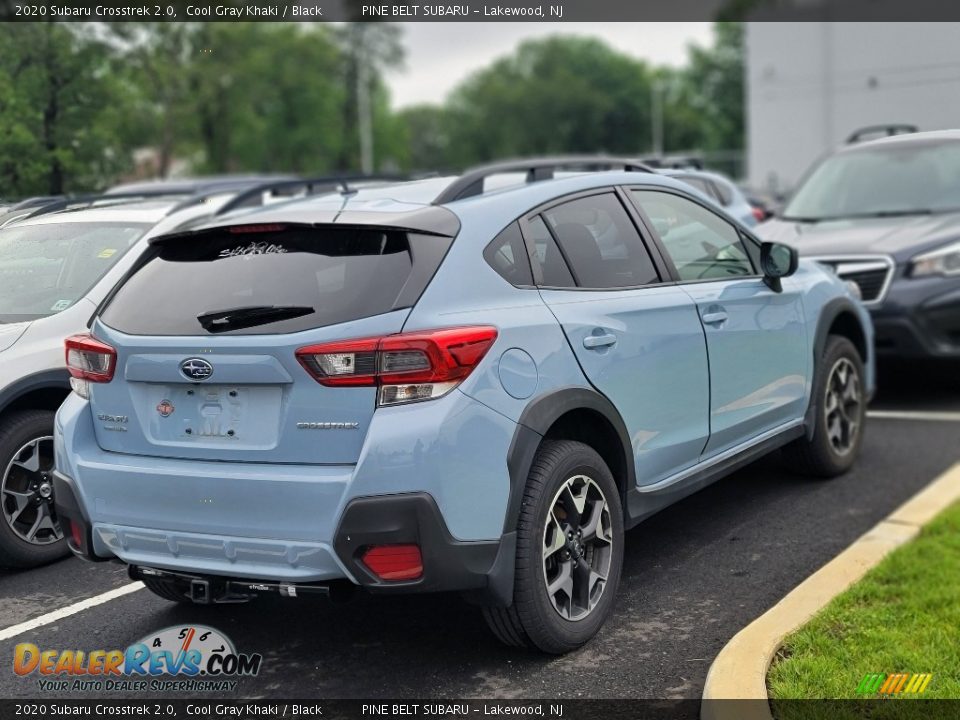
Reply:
x=364, y=119
x=656, y=116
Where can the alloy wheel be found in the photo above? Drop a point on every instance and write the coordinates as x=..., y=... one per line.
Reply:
x=843, y=406
x=26, y=493
x=577, y=547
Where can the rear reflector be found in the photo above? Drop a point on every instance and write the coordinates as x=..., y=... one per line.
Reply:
x=407, y=368
x=76, y=534
x=394, y=562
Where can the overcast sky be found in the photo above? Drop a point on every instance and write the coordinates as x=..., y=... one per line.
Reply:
x=440, y=54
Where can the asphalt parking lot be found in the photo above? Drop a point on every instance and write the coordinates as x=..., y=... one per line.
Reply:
x=693, y=576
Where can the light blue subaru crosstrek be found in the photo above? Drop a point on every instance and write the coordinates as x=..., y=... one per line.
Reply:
x=435, y=385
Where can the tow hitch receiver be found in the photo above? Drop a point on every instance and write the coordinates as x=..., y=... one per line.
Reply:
x=200, y=591
x=205, y=590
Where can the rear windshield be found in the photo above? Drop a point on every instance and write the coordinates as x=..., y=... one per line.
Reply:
x=47, y=268
x=273, y=282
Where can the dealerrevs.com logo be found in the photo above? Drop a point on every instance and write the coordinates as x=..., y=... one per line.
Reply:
x=191, y=658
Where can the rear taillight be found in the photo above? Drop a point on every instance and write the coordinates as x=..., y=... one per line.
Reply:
x=88, y=361
x=406, y=368
x=758, y=213
x=394, y=562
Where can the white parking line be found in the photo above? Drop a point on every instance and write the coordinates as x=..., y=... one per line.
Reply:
x=914, y=415
x=69, y=610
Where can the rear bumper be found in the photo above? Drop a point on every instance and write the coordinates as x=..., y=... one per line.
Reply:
x=237, y=564
x=296, y=523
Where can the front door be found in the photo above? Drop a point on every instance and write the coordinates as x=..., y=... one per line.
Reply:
x=756, y=337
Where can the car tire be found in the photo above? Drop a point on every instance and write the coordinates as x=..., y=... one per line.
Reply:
x=26, y=494
x=551, y=553
x=840, y=414
x=168, y=590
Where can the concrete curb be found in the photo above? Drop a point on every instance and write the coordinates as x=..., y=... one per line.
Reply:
x=739, y=672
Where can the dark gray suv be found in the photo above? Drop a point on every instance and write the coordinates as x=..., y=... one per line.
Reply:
x=885, y=214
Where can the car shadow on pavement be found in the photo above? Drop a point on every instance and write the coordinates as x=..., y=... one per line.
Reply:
x=693, y=575
x=918, y=385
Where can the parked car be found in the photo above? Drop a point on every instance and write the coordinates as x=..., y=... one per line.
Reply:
x=24, y=208
x=885, y=214
x=56, y=265
x=764, y=204
x=428, y=386
x=722, y=191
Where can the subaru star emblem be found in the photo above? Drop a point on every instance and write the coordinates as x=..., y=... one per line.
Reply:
x=196, y=369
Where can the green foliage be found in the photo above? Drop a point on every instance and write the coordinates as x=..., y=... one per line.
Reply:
x=902, y=617
x=577, y=95
x=62, y=109
x=77, y=99
x=267, y=98
x=559, y=95
x=715, y=79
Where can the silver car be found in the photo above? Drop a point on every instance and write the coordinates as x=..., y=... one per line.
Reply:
x=55, y=268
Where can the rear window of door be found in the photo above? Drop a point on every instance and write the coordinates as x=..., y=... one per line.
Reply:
x=600, y=243
x=701, y=244
x=275, y=282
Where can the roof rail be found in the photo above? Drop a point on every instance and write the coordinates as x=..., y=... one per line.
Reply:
x=253, y=197
x=674, y=162
x=81, y=201
x=35, y=201
x=882, y=130
x=541, y=168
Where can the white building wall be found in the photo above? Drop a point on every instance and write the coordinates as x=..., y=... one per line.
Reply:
x=809, y=85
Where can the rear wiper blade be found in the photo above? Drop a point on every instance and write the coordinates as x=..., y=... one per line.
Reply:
x=250, y=316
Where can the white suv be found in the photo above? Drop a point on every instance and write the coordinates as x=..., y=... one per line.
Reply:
x=55, y=268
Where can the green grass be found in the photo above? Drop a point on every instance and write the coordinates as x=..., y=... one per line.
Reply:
x=904, y=616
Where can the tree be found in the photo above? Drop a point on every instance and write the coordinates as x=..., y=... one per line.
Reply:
x=159, y=56
x=268, y=98
x=558, y=95
x=715, y=81
x=426, y=135
x=61, y=109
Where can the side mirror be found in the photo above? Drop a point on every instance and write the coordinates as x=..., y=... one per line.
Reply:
x=777, y=261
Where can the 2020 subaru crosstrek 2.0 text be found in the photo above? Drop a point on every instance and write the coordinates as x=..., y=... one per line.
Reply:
x=425, y=386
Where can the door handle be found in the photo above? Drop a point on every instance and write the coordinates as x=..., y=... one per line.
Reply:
x=714, y=318
x=592, y=342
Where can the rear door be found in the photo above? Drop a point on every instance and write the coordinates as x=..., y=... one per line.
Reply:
x=638, y=341
x=206, y=334
x=756, y=337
